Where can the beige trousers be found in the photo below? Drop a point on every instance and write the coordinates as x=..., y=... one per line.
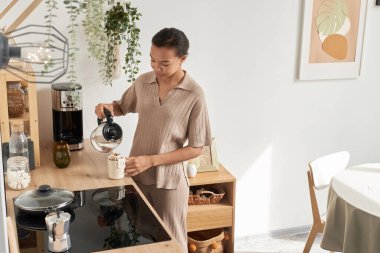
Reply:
x=171, y=205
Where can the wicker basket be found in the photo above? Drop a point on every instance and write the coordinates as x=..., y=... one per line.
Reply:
x=204, y=196
x=207, y=241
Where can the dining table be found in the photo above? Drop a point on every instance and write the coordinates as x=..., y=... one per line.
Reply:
x=353, y=211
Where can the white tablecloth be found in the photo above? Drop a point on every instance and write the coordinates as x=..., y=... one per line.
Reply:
x=353, y=213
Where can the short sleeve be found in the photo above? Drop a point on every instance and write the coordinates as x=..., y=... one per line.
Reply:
x=199, y=134
x=128, y=100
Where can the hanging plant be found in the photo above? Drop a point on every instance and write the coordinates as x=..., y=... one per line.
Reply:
x=120, y=27
x=106, y=31
x=73, y=9
x=51, y=6
x=93, y=25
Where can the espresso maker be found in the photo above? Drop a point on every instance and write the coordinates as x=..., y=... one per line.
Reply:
x=57, y=224
x=67, y=114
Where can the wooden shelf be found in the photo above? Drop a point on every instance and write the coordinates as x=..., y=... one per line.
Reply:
x=30, y=118
x=221, y=215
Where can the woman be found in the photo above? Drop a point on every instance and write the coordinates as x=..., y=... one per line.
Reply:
x=172, y=110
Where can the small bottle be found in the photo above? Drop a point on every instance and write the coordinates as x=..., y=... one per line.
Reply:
x=18, y=176
x=18, y=143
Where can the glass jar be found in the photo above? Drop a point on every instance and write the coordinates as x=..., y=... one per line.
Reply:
x=18, y=176
x=16, y=99
x=18, y=143
x=61, y=154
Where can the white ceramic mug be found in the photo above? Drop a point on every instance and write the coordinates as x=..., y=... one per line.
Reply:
x=191, y=170
x=116, y=167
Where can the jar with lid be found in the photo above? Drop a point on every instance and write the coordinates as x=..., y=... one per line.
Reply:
x=16, y=99
x=18, y=175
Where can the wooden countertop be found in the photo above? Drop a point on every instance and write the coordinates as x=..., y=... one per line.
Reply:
x=87, y=170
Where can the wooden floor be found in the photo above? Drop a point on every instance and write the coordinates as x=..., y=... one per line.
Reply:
x=284, y=244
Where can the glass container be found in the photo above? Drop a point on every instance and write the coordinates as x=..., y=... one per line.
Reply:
x=108, y=135
x=18, y=176
x=61, y=154
x=16, y=99
x=18, y=143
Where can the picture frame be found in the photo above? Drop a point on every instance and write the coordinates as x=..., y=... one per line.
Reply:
x=208, y=160
x=332, y=39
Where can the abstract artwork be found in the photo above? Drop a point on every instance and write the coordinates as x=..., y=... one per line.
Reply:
x=332, y=39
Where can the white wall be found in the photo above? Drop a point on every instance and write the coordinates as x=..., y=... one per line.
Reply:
x=267, y=124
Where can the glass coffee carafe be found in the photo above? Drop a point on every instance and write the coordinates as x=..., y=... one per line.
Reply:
x=108, y=135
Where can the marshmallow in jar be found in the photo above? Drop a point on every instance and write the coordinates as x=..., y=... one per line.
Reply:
x=18, y=176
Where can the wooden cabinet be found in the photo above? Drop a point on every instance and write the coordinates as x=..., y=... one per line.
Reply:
x=221, y=215
x=30, y=118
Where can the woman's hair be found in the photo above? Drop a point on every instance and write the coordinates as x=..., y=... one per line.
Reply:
x=172, y=38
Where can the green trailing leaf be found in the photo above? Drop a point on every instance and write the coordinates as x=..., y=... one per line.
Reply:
x=94, y=28
x=74, y=9
x=331, y=16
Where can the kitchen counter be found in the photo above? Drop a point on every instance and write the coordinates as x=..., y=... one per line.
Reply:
x=87, y=170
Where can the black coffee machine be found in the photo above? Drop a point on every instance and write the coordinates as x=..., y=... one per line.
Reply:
x=67, y=114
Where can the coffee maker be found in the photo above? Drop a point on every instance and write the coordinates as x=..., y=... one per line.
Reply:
x=57, y=224
x=67, y=114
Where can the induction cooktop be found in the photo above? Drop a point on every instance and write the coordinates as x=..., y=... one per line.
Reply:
x=101, y=219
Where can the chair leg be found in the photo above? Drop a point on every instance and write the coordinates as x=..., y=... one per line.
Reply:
x=310, y=239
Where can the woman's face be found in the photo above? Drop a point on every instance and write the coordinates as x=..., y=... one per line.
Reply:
x=164, y=61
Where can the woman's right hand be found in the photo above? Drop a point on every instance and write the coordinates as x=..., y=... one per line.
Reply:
x=99, y=110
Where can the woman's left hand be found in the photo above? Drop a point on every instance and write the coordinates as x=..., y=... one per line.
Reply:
x=138, y=164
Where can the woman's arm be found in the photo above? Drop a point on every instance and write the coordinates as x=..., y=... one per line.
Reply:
x=136, y=165
x=114, y=108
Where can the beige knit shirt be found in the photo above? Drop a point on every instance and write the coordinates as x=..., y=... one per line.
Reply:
x=166, y=125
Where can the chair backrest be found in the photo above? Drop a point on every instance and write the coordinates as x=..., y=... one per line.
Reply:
x=324, y=168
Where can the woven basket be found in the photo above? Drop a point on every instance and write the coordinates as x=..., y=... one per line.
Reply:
x=206, y=241
x=206, y=196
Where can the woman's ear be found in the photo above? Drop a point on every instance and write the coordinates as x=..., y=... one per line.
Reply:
x=183, y=58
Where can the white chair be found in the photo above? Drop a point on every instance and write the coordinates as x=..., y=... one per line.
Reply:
x=12, y=240
x=319, y=175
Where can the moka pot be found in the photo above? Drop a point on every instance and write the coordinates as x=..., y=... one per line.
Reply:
x=57, y=224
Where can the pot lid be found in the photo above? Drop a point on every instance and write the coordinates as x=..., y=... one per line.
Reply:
x=44, y=198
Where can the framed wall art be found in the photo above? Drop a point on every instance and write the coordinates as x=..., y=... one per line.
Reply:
x=332, y=39
x=208, y=160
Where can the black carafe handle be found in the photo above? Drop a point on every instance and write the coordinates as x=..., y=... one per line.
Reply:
x=108, y=115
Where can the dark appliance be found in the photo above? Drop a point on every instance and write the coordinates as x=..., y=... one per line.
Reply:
x=110, y=218
x=67, y=114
